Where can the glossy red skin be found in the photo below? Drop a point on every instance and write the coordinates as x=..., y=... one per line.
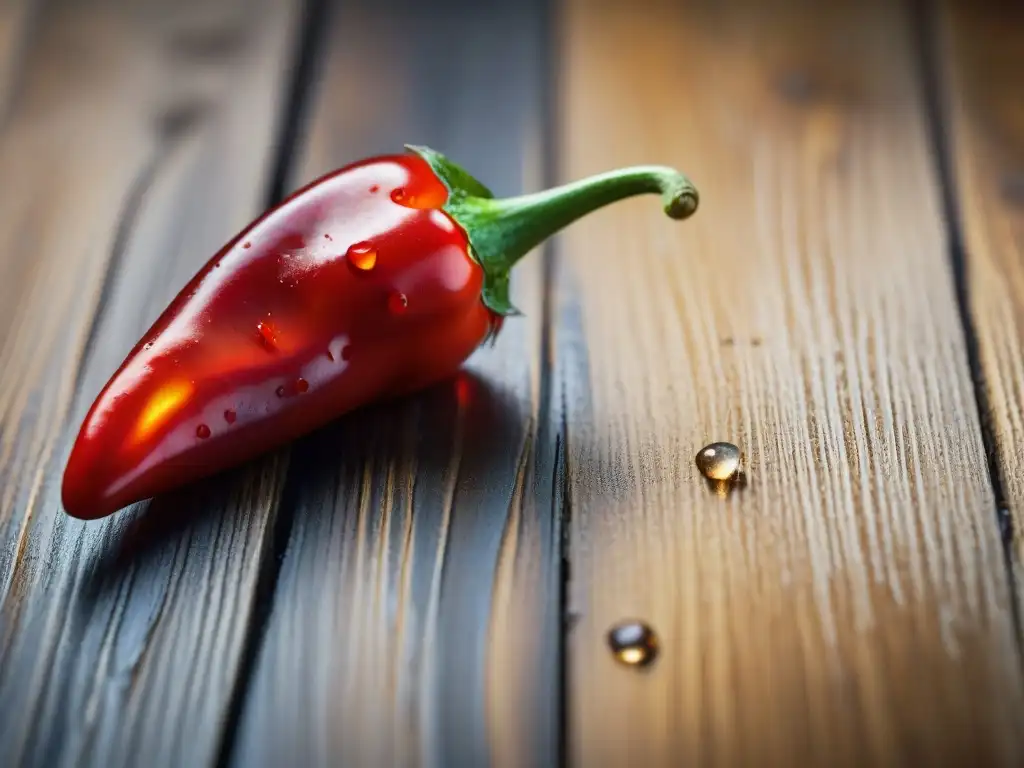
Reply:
x=335, y=328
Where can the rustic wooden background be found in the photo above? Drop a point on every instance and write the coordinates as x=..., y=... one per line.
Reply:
x=430, y=583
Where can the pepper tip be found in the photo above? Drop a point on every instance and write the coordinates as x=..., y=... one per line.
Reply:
x=82, y=493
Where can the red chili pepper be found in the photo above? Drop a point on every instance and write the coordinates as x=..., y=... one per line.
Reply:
x=373, y=281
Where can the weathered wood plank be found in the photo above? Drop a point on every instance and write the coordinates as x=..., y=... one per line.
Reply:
x=141, y=139
x=849, y=607
x=415, y=620
x=981, y=50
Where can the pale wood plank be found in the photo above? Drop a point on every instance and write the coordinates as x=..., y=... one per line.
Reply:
x=981, y=45
x=850, y=606
x=140, y=141
x=415, y=621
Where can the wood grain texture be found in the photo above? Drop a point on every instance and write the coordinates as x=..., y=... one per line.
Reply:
x=415, y=620
x=141, y=140
x=981, y=54
x=849, y=606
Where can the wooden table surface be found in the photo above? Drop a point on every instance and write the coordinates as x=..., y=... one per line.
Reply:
x=430, y=582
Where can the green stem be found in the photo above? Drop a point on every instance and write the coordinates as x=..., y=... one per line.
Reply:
x=502, y=231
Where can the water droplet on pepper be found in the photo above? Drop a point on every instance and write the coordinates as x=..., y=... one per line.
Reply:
x=424, y=198
x=398, y=303
x=202, y=431
x=230, y=416
x=362, y=256
x=302, y=385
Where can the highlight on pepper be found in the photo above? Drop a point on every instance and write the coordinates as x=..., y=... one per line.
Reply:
x=406, y=257
x=161, y=407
